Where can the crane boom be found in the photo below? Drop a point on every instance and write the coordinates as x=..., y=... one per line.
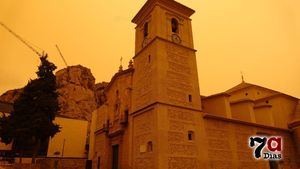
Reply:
x=61, y=55
x=21, y=39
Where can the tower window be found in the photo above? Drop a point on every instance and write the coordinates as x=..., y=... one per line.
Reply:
x=191, y=136
x=149, y=58
x=190, y=98
x=146, y=29
x=149, y=146
x=174, y=24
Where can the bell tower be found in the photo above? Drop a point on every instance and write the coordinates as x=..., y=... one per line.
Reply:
x=166, y=101
x=165, y=60
x=163, y=22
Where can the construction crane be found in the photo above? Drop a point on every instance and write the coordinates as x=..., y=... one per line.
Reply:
x=22, y=40
x=68, y=70
x=61, y=55
x=30, y=46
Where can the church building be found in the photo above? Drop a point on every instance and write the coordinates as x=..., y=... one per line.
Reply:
x=155, y=118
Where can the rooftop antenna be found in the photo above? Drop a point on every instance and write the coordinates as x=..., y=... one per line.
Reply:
x=61, y=55
x=242, y=76
x=22, y=40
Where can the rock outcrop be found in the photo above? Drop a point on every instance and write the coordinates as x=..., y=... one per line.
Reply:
x=76, y=89
x=11, y=96
x=75, y=86
x=99, y=92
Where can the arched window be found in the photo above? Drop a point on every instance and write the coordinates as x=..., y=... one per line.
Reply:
x=174, y=24
x=146, y=29
x=149, y=146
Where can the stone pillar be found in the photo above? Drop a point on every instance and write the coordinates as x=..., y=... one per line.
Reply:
x=295, y=126
x=296, y=134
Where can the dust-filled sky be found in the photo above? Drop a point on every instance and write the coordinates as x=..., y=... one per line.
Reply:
x=261, y=38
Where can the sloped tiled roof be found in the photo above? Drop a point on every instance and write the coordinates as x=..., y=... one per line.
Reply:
x=238, y=87
x=215, y=95
x=245, y=85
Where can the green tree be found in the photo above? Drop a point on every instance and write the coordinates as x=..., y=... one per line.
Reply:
x=31, y=122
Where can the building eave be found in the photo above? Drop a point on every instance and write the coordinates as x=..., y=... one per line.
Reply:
x=275, y=96
x=150, y=4
x=248, y=85
x=242, y=101
x=216, y=95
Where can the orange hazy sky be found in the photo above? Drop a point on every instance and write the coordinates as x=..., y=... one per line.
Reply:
x=259, y=37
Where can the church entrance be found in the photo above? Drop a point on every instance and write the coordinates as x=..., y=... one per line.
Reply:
x=115, y=156
x=273, y=165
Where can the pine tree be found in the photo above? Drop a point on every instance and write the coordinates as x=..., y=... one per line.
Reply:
x=31, y=122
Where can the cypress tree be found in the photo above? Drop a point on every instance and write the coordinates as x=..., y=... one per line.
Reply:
x=31, y=123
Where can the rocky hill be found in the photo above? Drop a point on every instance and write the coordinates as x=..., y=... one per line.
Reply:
x=11, y=95
x=76, y=92
x=76, y=86
x=99, y=92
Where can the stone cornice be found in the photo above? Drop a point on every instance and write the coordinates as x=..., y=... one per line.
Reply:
x=262, y=106
x=242, y=101
x=216, y=95
x=150, y=4
x=294, y=124
x=160, y=38
x=210, y=116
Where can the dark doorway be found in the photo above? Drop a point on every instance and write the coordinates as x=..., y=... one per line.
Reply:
x=273, y=164
x=98, y=163
x=88, y=164
x=115, y=157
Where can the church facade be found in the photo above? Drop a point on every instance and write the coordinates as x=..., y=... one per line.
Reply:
x=155, y=118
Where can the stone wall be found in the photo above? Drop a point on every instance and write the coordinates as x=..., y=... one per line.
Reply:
x=182, y=152
x=49, y=163
x=228, y=146
x=62, y=163
x=21, y=166
x=143, y=133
